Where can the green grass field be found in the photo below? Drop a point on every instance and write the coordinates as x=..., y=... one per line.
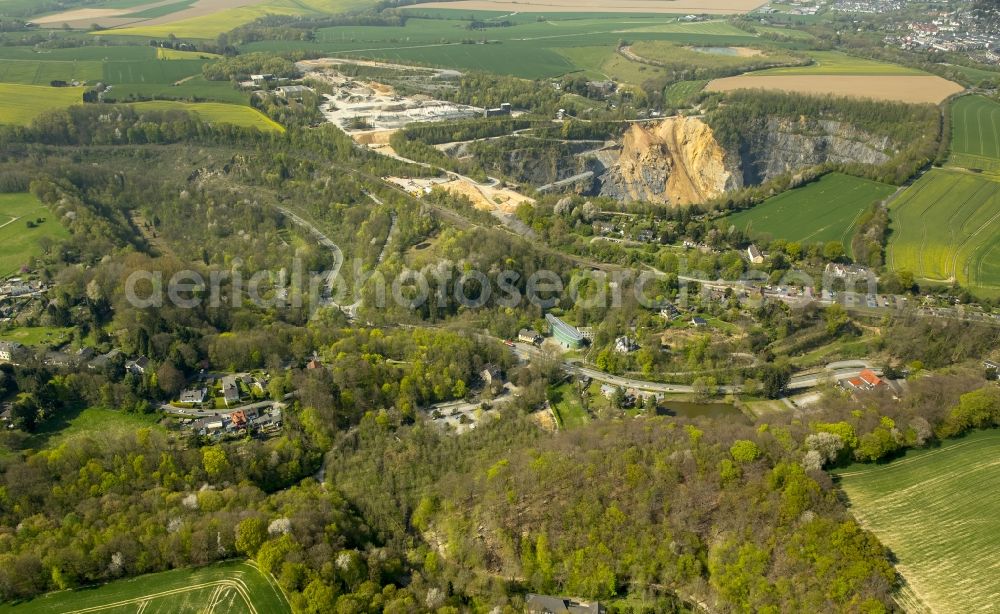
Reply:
x=568, y=410
x=18, y=243
x=19, y=104
x=530, y=48
x=235, y=587
x=681, y=93
x=211, y=25
x=35, y=335
x=975, y=136
x=216, y=112
x=824, y=210
x=836, y=63
x=939, y=513
x=946, y=227
x=91, y=421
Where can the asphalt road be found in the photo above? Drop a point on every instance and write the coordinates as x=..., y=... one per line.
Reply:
x=834, y=371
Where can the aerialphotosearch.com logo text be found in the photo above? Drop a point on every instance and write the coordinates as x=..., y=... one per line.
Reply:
x=441, y=284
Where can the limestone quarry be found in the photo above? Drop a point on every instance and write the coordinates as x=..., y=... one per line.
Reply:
x=676, y=161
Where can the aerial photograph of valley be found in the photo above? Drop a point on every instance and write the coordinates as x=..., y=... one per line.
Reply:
x=499, y=306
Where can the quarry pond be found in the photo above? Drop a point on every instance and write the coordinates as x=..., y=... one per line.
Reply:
x=690, y=409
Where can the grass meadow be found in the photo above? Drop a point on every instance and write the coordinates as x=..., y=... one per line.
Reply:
x=938, y=512
x=566, y=407
x=235, y=587
x=215, y=112
x=821, y=211
x=946, y=227
x=18, y=243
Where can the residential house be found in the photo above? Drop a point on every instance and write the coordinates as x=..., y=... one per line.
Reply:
x=527, y=335
x=231, y=390
x=137, y=366
x=866, y=380
x=262, y=79
x=669, y=312
x=194, y=395
x=238, y=420
x=547, y=604
x=102, y=361
x=646, y=236
x=754, y=254
x=699, y=322
x=624, y=345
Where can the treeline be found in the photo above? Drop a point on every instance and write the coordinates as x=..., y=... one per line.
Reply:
x=447, y=132
x=304, y=27
x=242, y=66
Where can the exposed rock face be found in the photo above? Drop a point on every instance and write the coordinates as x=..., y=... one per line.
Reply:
x=676, y=161
x=788, y=145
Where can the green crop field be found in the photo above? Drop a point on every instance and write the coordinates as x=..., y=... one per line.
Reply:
x=836, y=63
x=529, y=48
x=824, y=210
x=975, y=133
x=227, y=588
x=938, y=511
x=680, y=93
x=222, y=19
x=946, y=227
x=18, y=243
x=215, y=112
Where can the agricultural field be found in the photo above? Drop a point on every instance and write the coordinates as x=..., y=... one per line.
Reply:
x=680, y=93
x=836, y=63
x=19, y=243
x=824, y=210
x=215, y=112
x=132, y=71
x=20, y=104
x=914, y=89
x=938, y=512
x=529, y=48
x=975, y=136
x=708, y=58
x=718, y=7
x=206, y=19
x=839, y=74
x=946, y=227
x=236, y=587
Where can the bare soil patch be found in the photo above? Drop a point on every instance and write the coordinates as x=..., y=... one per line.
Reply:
x=715, y=7
x=903, y=88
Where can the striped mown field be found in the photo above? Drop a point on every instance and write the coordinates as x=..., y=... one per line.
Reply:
x=938, y=511
x=946, y=228
x=226, y=588
x=975, y=136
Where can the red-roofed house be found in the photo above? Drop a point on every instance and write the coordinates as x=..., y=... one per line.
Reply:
x=870, y=378
x=866, y=380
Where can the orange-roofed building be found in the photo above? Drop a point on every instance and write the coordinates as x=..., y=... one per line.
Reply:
x=871, y=379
